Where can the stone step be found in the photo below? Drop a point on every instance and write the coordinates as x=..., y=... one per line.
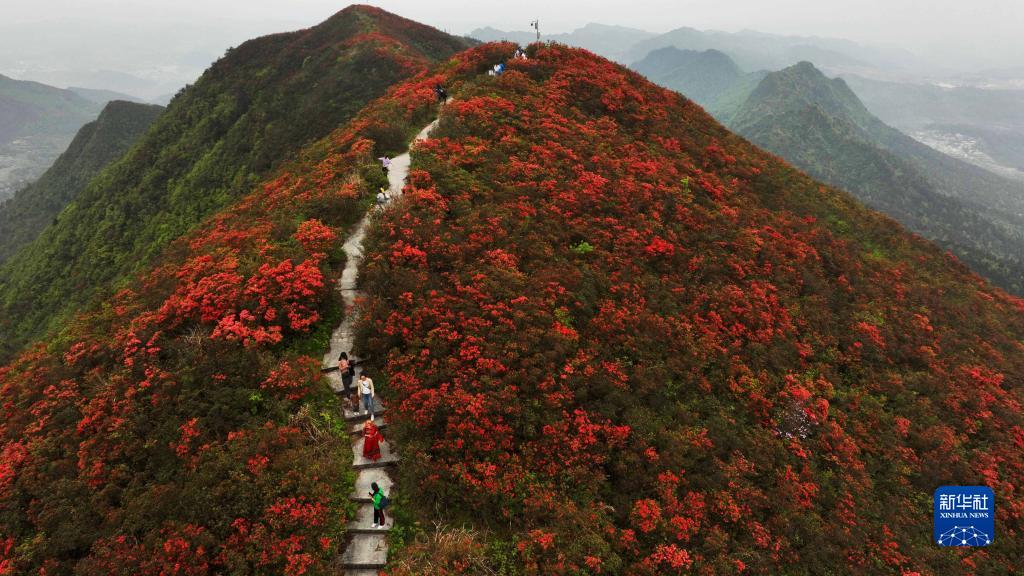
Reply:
x=361, y=416
x=359, y=572
x=365, y=552
x=331, y=363
x=363, y=521
x=366, y=477
x=359, y=462
x=382, y=463
x=357, y=428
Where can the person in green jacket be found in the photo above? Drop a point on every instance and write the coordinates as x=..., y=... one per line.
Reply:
x=377, y=495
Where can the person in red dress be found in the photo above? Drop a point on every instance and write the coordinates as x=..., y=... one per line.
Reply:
x=371, y=441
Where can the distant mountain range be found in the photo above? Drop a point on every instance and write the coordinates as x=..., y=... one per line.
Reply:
x=822, y=127
x=102, y=97
x=37, y=122
x=614, y=42
x=757, y=51
x=145, y=59
x=96, y=145
x=750, y=50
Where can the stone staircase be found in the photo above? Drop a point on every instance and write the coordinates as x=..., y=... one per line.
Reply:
x=367, y=549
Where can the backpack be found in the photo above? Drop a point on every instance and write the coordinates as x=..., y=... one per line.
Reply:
x=384, y=501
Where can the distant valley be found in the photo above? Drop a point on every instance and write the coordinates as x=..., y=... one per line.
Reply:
x=37, y=122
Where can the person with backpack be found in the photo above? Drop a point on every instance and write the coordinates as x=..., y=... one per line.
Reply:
x=380, y=502
x=382, y=197
x=347, y=369
x=442, y=94
x=366, y=392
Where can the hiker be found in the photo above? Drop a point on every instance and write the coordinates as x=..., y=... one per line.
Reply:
x=380, y=502
x=520, y=54
x=371, y=441
x=499, y=68
x=367, y=393
x=382, y=197
x=347, y=369
x=442, y=94
x=385, y=164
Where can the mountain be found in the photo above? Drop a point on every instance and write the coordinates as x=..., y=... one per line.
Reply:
x=37, y=122
x=753, y=50
x=710, y=78
x=609, y=41
x=704, y=74
x=96, y=145
x=612, y=336
x=820, y=126
x=618, y=338
x=178, y=424
x=247, y=115
x=102, y=97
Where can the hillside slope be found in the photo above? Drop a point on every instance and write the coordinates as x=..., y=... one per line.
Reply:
x=820, y=126
x=36, y=124
x=710, y=78
x=705, y=74
x=616, y=338
x=96, y=145
x=181, y=425
x=251, y=111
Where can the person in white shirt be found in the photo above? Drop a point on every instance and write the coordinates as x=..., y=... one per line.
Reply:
x=367, y=392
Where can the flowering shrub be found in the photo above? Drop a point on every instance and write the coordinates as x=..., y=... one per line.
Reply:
x=181, y=426
x=721, y=382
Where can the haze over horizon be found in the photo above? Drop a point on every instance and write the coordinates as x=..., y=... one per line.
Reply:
x=119, y=35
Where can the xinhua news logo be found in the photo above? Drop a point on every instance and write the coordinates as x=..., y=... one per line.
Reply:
x=964, y=516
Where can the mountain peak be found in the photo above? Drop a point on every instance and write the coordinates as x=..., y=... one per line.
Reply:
x=805, y=67
x=798, y=86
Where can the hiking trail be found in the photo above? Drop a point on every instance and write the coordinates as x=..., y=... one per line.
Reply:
x=367, y=550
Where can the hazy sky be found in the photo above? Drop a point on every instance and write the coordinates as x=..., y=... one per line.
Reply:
x=987, y=31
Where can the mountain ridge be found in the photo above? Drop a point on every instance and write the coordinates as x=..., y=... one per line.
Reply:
x=37, y=122
x=96, y=145
x=248, y=114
